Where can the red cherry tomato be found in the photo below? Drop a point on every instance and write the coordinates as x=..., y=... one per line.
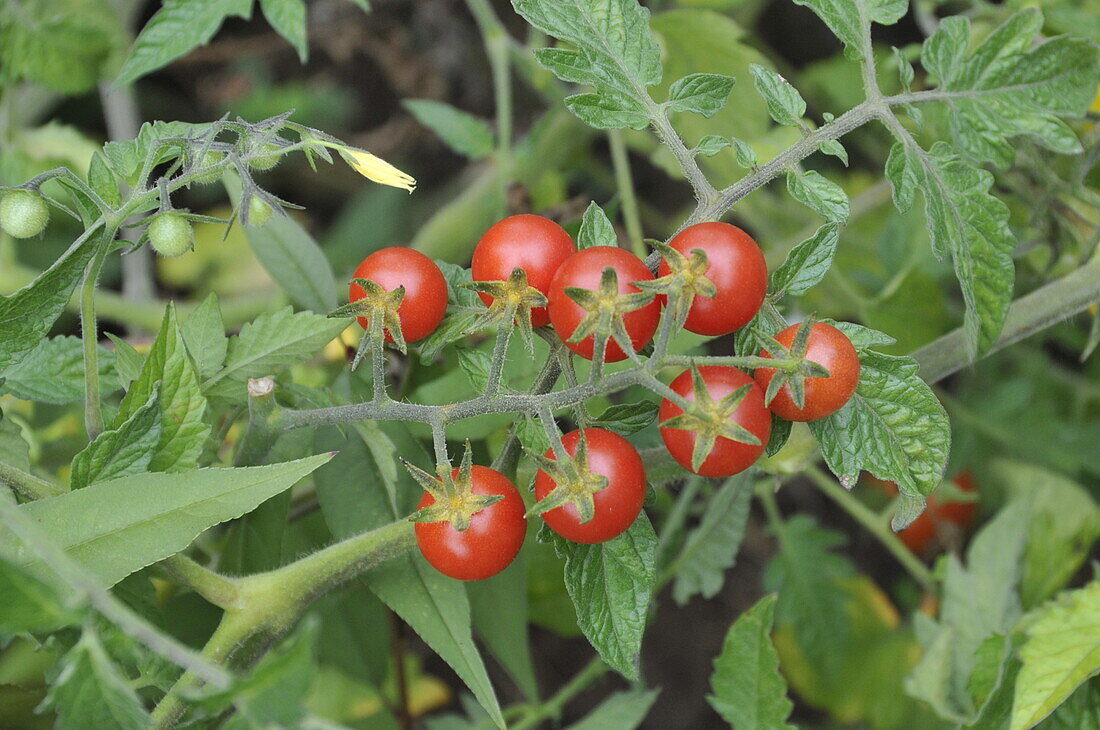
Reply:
x=830, y=348
x=923, y=532
x=425, y=300
x=584, y=269
x=727, y=457
x=737, y=269
x=530, y=242
x=491, y=542
x=617, y=505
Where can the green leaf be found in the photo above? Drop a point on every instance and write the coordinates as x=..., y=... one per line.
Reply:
x=29, y=604
x=204, y=334
x=498, y=606
x=611, y=584
x=532, y=436
x=475, y=363
x=182, y=405
x=1061, y=652
x=27, y=315
x=746, y=155
x=836, y=149
x=749, y=691
x=614, y=53
x=620, y=711
x=14, y=449
x=785, y=105
x=165, y=139
x=118, y=527
x=63, y=45
x=128, y=361
x=596, y=229
x=627, y=418
x=127, y=449
x=701, y=93
x=53, y=372
x=711, y=548
x=288, y=18
x=819, y=194
x=177, y=28
x=1012, y=84
x=270, y=342
x=863, y=338
x=461, y=131
x=806, y=264
x=893, y=427
x=967, y=223
x=91, y=692
x=102, y=180
x=843, y=18
x=710, y=145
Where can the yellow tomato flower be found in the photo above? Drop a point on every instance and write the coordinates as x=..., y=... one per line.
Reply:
x=376, y=169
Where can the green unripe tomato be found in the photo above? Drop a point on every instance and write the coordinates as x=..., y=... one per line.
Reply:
x=23, y=213
x=170, y=234
x=211, y=158
x=259, y=212
x=268, y=161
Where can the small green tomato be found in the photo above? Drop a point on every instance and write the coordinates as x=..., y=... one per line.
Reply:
x=211, y=158
x=268, y=161
x=259, y=212
x=170, y=234
x=23, y=213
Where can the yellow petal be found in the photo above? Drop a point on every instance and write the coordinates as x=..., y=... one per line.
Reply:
x=376, y=169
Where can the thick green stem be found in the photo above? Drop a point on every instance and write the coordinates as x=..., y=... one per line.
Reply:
x=89, y=331
x=28, y=485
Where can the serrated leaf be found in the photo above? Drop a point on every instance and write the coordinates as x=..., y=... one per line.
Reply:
x=863, y=338
x=627, y=418
x=749, y=691
x=611, y=585
x=621, y=711
x=270, y=342
x=819, y=194
x=204, y=334
x=711, y=548
x=806, y=264
x=90, y=691
x=30, y=605
x=28, y=314
x=461, y=131
x=128, y=361
x=785, y=105
x=127, y=157
x=966, y=222
x=843, y=18
x=118, y=527
x=710, y=145
x=475, y=364
x=596, y=229
x=893, y=427
x=607, y=111
x=701, y=93
x=175, y=29
x=127, y=449
x=288, y=18
x=53, y=372
x=531, y=435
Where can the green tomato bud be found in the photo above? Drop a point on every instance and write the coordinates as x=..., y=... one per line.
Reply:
x=211, y=158
x=23, y=213
x=259, y=212
x=170, y=234
x=268, y=161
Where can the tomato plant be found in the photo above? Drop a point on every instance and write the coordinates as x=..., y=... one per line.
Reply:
x=23, y=213
x=823, y=396
x=425, y=290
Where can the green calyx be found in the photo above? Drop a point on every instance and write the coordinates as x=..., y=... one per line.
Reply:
x=574, y=483
x=686, y=278
x=379, y=307
x=711, y=419
x=455, y=501
x=792, y=368
x=606, y=308
x=513, y=301
x=23, y=213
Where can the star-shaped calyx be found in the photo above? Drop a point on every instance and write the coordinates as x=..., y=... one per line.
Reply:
x=513, y=301
x=686, y=277
x=605, y=309
x=455, y=501
x=379, y=307
x=792, y=366
x=711, y=419
x=574, y=482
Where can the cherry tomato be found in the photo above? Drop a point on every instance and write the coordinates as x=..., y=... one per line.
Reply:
x=924, y=531
x=489, y=544
x=737, y=269
x=830, y=348
x=23, y=213
x=170, y=234
x=530, y=242
x=617, y=505
x=727, y=456
x=584, y=269
x=425, y=300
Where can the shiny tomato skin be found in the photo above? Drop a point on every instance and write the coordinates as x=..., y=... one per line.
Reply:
x=830, y=348
x=728, y=457
x=493, y=539
x=425, y=300
x=584, y=269
x=533, y=243
x=617, y=505
x=737, y=269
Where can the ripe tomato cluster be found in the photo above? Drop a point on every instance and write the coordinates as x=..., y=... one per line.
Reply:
x=598, y=494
